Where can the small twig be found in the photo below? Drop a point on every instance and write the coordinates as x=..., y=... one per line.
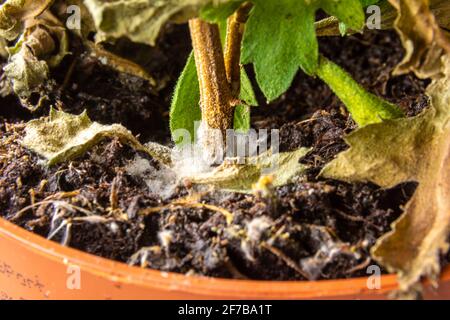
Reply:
x=63, y=204
x=358, y=267
x=68, y=75
x=288, y=261
x=113, y=196
x=349, y=217
x=187, y=202
x=234, y=271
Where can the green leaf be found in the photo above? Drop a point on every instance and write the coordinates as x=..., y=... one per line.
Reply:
x=237, y=177
x=280, y=37
x=365, y=108
x=185, y=108
x=215, y=13
x=366, y=3
x=241, y=121
x=343, y=29
x=62, y=136
x=242, y=112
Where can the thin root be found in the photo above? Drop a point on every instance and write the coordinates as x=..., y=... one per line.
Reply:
x=191, y=202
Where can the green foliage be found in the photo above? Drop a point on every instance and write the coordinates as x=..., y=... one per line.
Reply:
x=280, y=37
x=185, y=108
x=365, y=108
x=219, y=13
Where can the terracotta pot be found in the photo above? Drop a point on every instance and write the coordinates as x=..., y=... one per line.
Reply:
x=32, y=267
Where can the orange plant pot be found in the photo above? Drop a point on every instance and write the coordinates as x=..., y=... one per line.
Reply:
x=32, y=267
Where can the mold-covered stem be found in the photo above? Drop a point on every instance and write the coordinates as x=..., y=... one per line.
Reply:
x=215, y=94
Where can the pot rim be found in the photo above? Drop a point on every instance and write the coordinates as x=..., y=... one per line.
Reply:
x=119, y=272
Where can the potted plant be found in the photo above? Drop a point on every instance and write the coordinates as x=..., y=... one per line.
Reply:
x=346, y=176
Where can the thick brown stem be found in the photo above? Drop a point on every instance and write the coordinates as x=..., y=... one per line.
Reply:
x=219, y=77
x=235, y=32
x=215, y=95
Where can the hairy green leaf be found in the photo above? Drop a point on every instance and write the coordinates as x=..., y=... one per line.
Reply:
x=185, y=108
x=365, y=108
x=62, y=137
x=280, y=37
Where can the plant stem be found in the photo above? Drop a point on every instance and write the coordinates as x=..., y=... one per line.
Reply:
x=365, y=107
x=215, y=93
x=235, y=33
x=219, y=77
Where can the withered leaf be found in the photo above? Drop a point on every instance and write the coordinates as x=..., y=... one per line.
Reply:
x=62, y=137
x=14, y=12
x=238, y=177
x=424, y=41
x=42, y=44
x=139, y=20
x=412, y=149
x=26, y=72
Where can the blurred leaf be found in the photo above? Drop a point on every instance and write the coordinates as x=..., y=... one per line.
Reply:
x=26, y=72
x=140, y=20
x=14, y=12
x=215, y=13
x=43, y=43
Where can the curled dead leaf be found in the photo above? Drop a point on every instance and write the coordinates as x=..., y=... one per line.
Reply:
x=14, y=12
x=139, y=20
x=423, y=39
x=42, y=43
x=62, y=137
x=412, y=149
x=26, y=72
x=240, y=177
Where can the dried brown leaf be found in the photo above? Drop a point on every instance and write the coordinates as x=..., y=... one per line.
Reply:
x=62, y=137
x=139, y=20
x=424, y=41
x=413, y=149
x=240, y=177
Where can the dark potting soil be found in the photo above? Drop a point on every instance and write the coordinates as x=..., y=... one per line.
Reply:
x=99, y=203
